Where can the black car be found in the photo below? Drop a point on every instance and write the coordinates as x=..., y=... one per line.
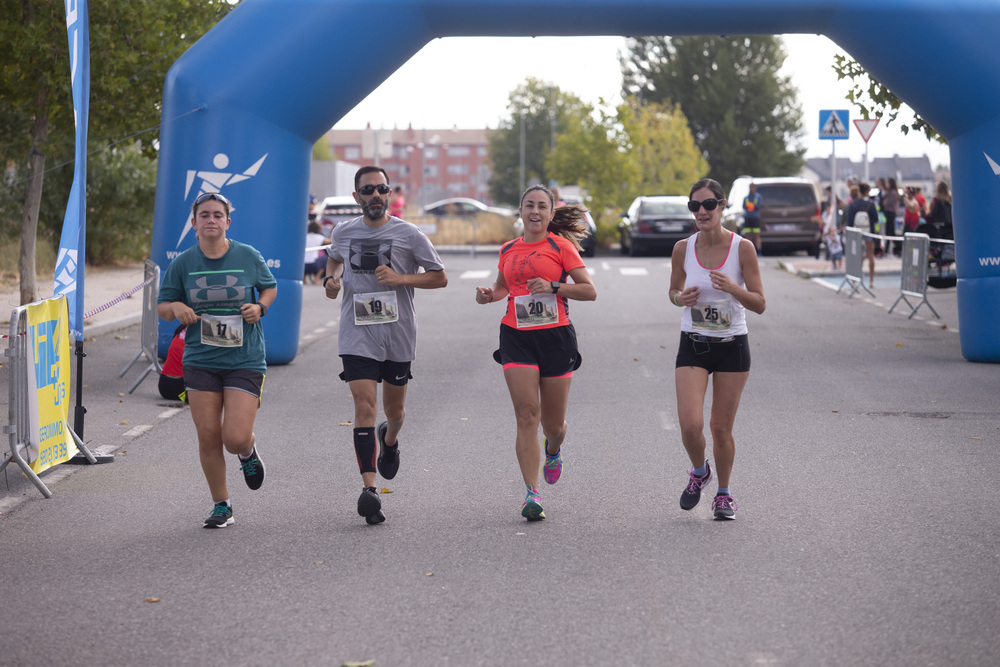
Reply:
x=655, y=224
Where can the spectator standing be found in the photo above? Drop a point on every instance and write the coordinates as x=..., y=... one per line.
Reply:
x=538, y=347
x=751, y=217
x=315, y=259
x=863, y=214
x=398, y=204
x=911, y=210
x=376, y=260
x=889, y=199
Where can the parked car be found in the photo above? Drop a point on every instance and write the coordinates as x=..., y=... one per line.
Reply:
x=463, y=206
x=336, y=210
x=790, y=217
x=655, y=224
x=588, y=243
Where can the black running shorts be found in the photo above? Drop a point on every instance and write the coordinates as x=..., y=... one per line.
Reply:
x=552, y=351
x=728, y=357
x=362, y=368
x=214, y=379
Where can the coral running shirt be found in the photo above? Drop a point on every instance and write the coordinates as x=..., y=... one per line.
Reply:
x=552, y=258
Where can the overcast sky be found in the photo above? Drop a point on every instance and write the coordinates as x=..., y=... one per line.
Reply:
x=488, y=68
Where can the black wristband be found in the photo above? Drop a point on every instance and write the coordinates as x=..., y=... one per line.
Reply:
x=325, y=278
x=263, y=309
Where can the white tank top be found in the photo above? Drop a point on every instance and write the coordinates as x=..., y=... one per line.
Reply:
x=716, y=314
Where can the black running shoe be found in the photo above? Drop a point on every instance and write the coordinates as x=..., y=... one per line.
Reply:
x=388, y=457
x=370, y=507
x=724, y=506
x=692, y=492
x=253, y=470
x=221, y=516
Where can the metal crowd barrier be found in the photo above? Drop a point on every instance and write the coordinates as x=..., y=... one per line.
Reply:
x=913, y=280
x=19, y=418
x=853, y=265
x=150, y=322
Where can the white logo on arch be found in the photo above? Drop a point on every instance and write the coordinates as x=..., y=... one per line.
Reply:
x=214, y=181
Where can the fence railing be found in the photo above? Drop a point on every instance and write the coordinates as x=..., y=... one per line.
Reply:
x=150, y=324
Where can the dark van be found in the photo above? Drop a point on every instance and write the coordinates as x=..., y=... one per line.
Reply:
x=789, y=213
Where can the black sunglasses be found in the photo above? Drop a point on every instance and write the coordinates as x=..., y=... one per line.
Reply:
x=370, y=189
x=202, y=198
x=709, y=204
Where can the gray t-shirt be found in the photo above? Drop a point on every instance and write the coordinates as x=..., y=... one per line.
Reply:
x=404, y=248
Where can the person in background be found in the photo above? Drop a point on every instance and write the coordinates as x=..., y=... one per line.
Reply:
x=376, y=259
x=715, y=278
x=911, y=210
x=751, y=217
x=224, y=288
x=863, y=214
x=171, y=383
x=889, y=202
x=538, y=274
x=315, y=259
x=939, y=214
x=398, y=204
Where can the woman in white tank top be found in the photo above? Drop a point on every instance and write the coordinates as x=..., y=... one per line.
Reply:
x=715, y=278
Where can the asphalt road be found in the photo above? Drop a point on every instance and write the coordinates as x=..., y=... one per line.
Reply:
x=866, y=455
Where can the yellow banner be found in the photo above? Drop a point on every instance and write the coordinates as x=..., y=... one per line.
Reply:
x=49, y=439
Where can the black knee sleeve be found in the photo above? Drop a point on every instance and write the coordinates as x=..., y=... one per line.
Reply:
x=364, y=447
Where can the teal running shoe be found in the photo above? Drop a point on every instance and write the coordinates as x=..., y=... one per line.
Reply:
x=532, y=507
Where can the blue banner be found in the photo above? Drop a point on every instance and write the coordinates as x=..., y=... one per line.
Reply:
x=69, y=276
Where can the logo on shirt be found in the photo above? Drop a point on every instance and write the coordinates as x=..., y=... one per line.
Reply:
x=366, y=256
x=217, y=288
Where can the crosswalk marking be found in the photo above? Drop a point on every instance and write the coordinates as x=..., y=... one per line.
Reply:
x=474, y=275
x=633, y=271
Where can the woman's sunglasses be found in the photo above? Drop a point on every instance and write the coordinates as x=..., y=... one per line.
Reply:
x=370, y=189
x=709, y=204
x=202, y=198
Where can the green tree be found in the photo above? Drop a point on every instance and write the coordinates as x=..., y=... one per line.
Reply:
x=132, y=46
x=874, y=99
x=544, y=111
x=121, y=188
x=744, y=116
x=617, y=157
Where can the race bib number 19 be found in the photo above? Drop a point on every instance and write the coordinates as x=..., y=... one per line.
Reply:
x=375, y=308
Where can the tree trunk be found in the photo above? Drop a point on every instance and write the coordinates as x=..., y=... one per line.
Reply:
x=33, y=201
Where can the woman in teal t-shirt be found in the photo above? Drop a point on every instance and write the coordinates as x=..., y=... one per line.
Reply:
x=223, y=288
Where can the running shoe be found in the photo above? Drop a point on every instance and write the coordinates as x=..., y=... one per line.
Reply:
x=692, y=492
x=532, y=507
x=724, y=506
x=253, y=470
x=388, y=457
x=221, y=516
x=370, y=507
x=553, y=465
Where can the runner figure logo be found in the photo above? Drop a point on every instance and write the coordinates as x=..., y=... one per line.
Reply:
x=214, y=181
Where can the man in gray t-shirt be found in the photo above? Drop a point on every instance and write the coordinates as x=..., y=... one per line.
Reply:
x=376, y=260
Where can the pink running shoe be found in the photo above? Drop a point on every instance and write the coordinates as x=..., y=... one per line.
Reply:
x=553, y=465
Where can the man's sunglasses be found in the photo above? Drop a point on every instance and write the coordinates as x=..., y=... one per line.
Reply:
x=370, y=189
x=709, y=204
x=202, y=198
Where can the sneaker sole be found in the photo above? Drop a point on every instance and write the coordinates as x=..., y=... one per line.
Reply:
x=725, y=517
x=533, y=512
x=230, y=521
x=375, y=519
x=380, y=431
x=370, y=507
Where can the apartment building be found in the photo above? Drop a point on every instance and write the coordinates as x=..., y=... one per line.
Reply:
x=430, y=164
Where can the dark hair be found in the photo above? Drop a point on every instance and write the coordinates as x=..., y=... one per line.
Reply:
x=211, y=196
x=864, y=189
x=892, y=184
x=367, y=169
x=568, y=222
x=314, y=227
x=711, y=184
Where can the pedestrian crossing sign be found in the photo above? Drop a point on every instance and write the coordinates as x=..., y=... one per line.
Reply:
x=833, y=124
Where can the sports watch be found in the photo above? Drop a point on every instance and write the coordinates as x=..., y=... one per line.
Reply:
x=555, y=286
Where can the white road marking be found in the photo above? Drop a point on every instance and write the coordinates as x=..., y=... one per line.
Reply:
x=474, y=275
x=633, y=271
x=138, y=430
x=167, y=414
x=667, y=421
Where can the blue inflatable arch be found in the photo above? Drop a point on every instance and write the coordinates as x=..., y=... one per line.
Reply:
x=244, y=106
